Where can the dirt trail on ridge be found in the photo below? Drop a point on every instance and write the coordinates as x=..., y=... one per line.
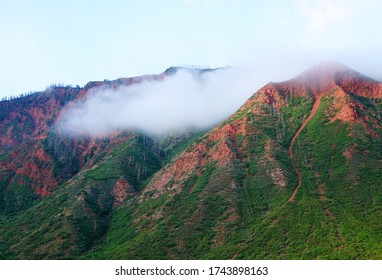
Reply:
x=312, y=112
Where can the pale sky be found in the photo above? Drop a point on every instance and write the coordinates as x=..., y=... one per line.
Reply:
x=43, y=42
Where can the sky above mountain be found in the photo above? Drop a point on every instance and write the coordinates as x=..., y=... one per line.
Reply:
x=73, y=42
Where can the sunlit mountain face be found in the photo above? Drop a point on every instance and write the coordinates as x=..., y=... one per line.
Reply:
x=294, y=173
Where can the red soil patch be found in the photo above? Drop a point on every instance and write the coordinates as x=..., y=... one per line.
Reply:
x=365, y=88
x=275, y=173
x=222, y=153
x=349, y=152
x=344, y=107
x=171, y=176
x=120, y=191
x=320, y=192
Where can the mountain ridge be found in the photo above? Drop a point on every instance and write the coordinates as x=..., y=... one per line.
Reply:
x=243, y=164
x=29, y=122
x=320, y=78
x=225, y=195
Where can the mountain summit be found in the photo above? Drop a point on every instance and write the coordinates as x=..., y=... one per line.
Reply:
x=323, y=77
x=295, y=173
x=328, y=74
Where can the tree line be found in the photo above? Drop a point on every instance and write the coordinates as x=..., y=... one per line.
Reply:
x=11, y=97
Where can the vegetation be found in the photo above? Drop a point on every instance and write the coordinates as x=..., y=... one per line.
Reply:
x=207, y=220
x=223, y=194
x=68, y=223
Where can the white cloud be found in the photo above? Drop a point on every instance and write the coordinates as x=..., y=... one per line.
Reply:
x=180, y=101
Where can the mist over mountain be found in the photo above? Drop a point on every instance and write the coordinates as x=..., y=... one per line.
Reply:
x=188, y=98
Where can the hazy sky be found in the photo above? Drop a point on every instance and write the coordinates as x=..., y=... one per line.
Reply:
x=72, y=42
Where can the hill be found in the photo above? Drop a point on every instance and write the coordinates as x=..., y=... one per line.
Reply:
x=45, y=179
x=294, y=174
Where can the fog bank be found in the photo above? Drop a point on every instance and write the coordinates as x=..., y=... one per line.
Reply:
x=184, y=100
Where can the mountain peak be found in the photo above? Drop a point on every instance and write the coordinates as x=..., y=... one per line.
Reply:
x=318, y=81
x=330, y=66
x=326, y=75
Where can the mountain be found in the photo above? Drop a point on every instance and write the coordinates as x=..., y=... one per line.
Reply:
x=294, y=174
x=35, y=158
x=37, y=162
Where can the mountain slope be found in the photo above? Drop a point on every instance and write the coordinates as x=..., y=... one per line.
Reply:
x=66, y=223
x=295, y=173
x=57, y=192
x=35, y=158
x=233, y=193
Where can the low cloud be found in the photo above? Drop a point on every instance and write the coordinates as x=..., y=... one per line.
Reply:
x=184, y=100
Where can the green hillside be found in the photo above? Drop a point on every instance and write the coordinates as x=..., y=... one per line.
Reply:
x=235, y=203
x=295, y=173
x=67, y=223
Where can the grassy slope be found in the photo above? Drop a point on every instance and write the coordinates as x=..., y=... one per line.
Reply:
x=343, y=222
x=67, y=223
x=215, y=212
x=223, y=211
x=336, y=214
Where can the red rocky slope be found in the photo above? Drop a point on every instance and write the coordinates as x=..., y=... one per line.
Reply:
x=36, y=156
